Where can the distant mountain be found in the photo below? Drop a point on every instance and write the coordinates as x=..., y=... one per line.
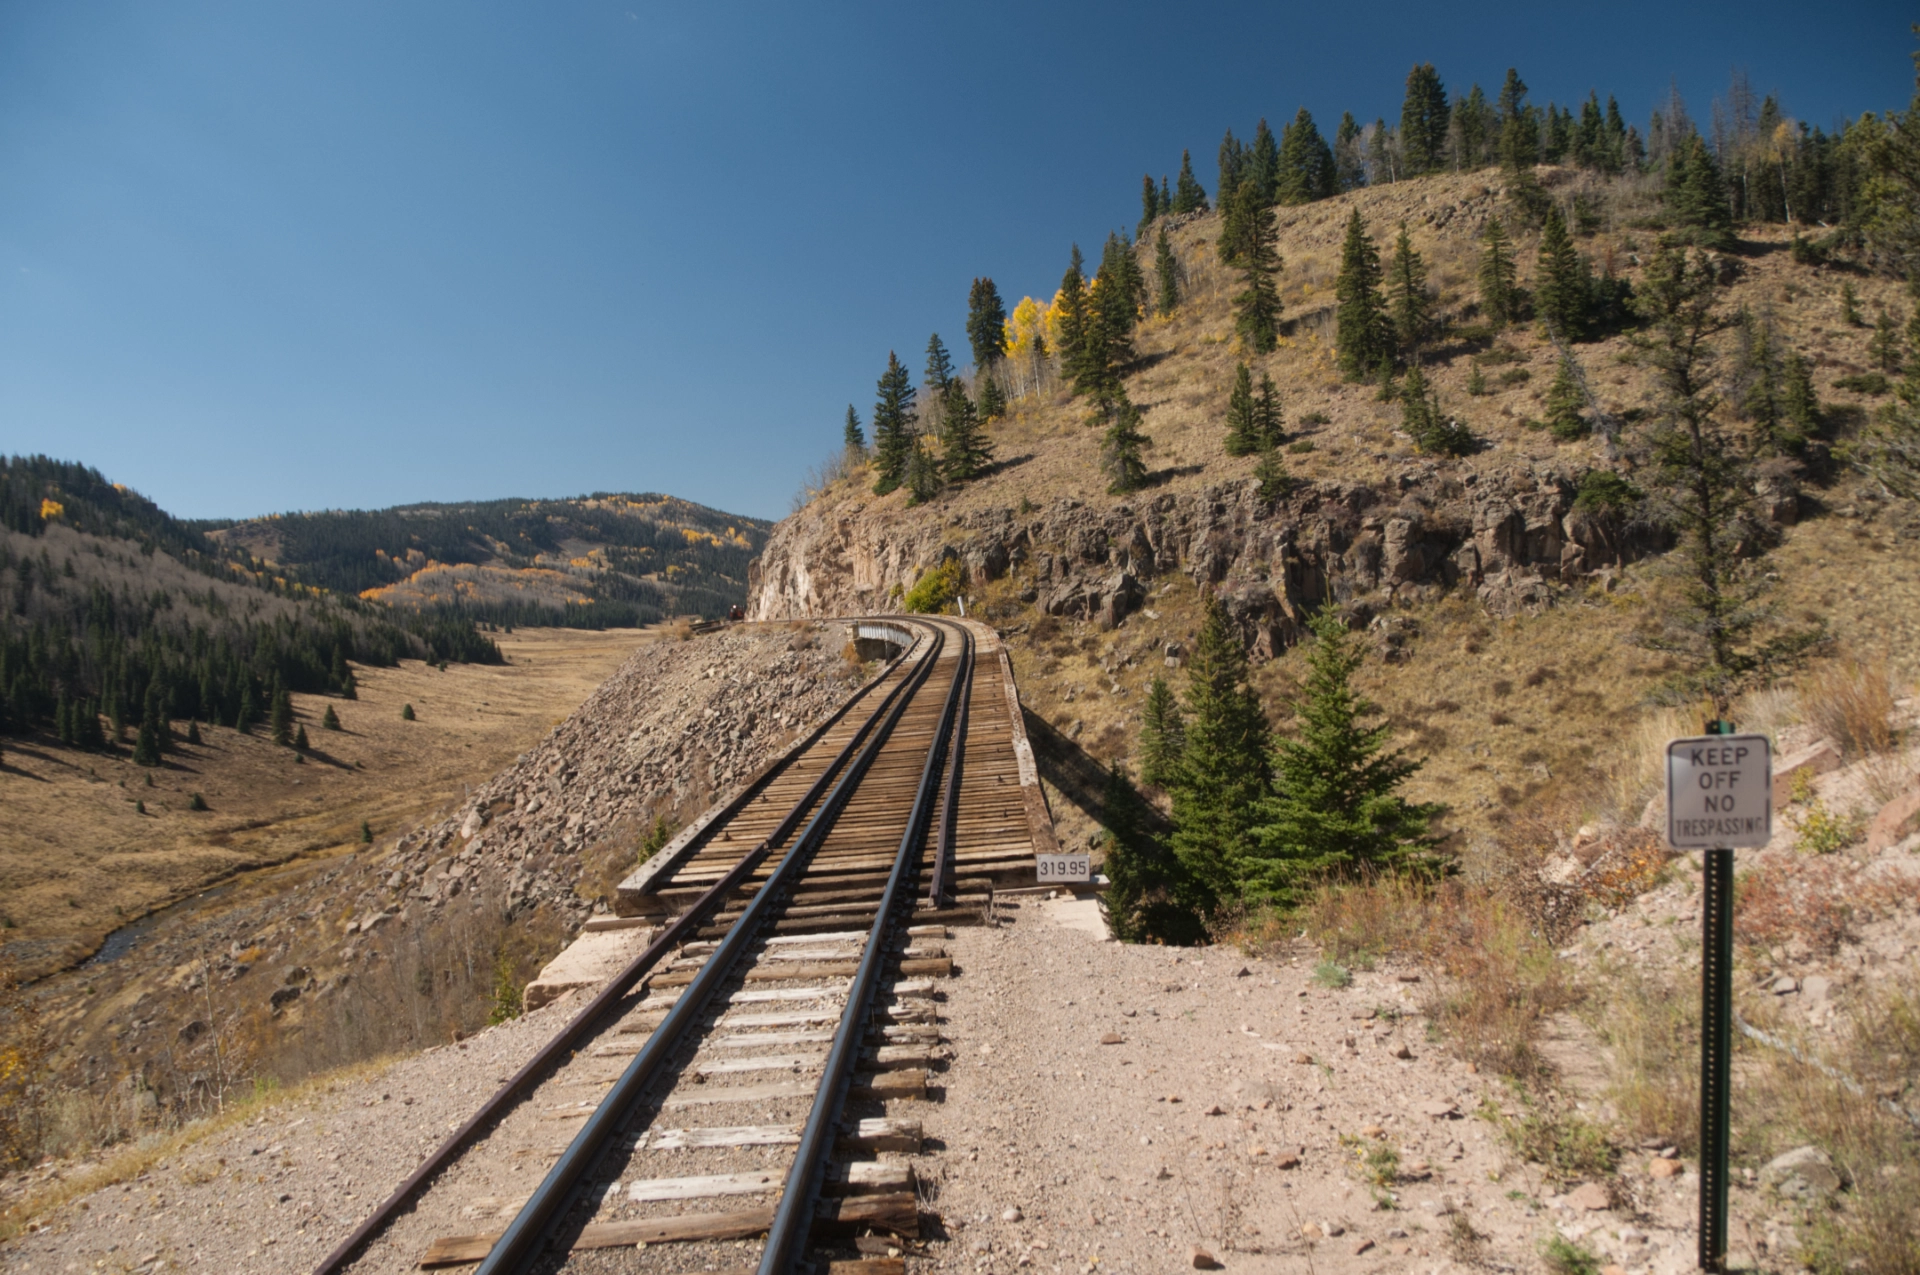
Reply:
x=585, y=562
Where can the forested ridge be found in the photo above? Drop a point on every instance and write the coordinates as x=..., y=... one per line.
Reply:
x=115, y=616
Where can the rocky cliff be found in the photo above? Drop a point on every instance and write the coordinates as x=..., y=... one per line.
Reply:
x=1511, y=533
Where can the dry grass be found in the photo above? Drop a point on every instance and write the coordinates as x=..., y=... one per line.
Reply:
x=1851, y=701
x=1817, y=901
x=1651, y=1025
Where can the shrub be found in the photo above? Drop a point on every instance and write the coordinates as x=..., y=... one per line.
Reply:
x=1604, y=491
x=1870, y=383
x=1315, y=418
x=1300, y=447
x=1332, y=975
x=1515, y=376
x=935, y=590
x=196, y=802
x=406, y=712
x=1563, y=1256
x=1821, y=831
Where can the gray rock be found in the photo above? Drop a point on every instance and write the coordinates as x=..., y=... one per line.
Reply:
x=1804, y=1173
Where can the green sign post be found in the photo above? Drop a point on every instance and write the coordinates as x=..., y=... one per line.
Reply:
x=1719, y=797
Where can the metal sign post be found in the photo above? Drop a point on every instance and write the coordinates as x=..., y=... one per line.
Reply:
x=1719, y=796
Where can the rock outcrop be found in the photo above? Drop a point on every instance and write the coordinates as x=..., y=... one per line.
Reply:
x=1510, y=534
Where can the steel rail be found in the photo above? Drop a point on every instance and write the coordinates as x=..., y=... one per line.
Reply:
x=945, y=850
x=526, y=1236
x=564, y=1041
x=793, y=1220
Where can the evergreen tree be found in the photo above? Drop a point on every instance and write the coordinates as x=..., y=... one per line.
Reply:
x=1476, y=380
x=1883, y=347
x=350, y=688
x=993, y=402
x=1149, y=898
x=1706, y=480
x=1499, y=277
x=1166, y=198
x=1565, y=401
x=247, y=713
x=1163, y=735
x=1696, y=194
x=1432, y=430
x=406, y=713
x=1166, y=273
x=1232, y=159
x=1272, y=476
x=986, y=324
x=1267, y=423
x=366, y=833
x=193, y=730
x=1074, y=322
x=1336, y=807
x=966, y=450
x=1188, y=195
x=1224, y=771
x=854, y=438
x=1256, y=309
x=146, y=747
x=1263, y=164
x=939, y=375
x=1121, y=447
x=1236, y=227
x=330, y=720
x=923, y=473
x=1243, y=431
x=1349, y=155
x=300, y=738
x=1118, y=290
x=1149, y=205
x=1423, y=121
x=1519, y=144
x=892, y=426
x=1471, y=133
x=1850, y=306
x=1360, y=325
x=1563, y=284
x=1306, y=166
x=1799, y=408
x=1408, y=304
x=282, y=716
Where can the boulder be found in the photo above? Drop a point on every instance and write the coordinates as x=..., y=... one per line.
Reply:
x=1816, y=758
x=1804, y=1173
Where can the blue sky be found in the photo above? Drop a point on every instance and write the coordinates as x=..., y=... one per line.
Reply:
x=257, y=257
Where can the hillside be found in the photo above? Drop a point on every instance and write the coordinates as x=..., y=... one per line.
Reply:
x=1509, y=621
x=590, y=561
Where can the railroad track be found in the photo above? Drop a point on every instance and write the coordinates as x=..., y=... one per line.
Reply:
x=728, y=1089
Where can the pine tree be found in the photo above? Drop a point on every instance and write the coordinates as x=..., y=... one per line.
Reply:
x=1272, y=476
x=1149, y=205
x=966, y=452
x=247, y=713
x=1257, y=307
x=1707, y=480
x=1850, y=306
x=1359, y=323
x=330, y=720
x=193, y=730
x=406, y=713
x=1519, y=143
x=1799, y=408
x=1121, y=447
x=146, y=747
x=986, y=324
x=350, y=688
x=1074, y=320
x=1499, y=277
x=300, y=738
x=939, y=375
x=1188, y=195
x=1476, y=380
x=1243, y=431
x=1883, y=347
x=1236, y=227
x=281, y=716
x=1306, y=166
x=1432, y=431
x=993, y=402
x=1149, y=898
x=1118, y=290
x=854, y=438
x=1167, y=273
x=892, y=426
x=1696, y=194
x=1409, y=305
x=1268, y=426
x=1471, y=133
x=1224, y=772
x=1336, y=806
x=1423, y=120
x=366, y=833
x=1163, y=735
x=923, y=473
x=1564, y=403
x=1349, y=155
x=1263, y=164
x=1232, y=158
x=1564, y=284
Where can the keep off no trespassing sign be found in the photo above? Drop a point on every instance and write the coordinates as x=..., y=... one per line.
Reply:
x=1719, y=792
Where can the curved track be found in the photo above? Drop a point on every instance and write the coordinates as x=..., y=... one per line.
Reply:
x=733, y=1062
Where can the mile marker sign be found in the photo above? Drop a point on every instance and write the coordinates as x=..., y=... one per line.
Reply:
x=1719, y=792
